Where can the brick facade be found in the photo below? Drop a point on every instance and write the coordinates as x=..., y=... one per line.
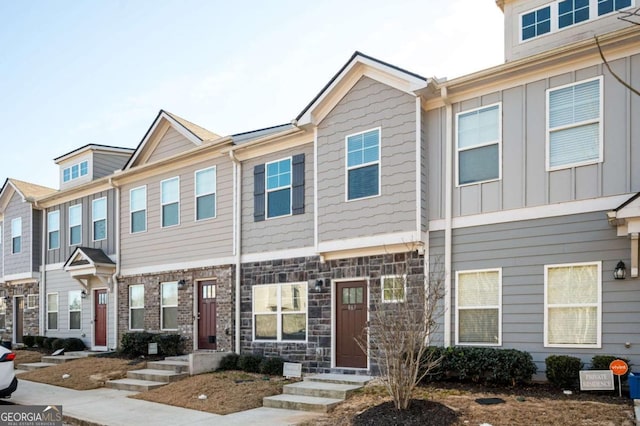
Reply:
x=224, y=277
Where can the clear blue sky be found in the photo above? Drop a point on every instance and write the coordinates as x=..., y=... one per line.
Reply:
x=78, y=72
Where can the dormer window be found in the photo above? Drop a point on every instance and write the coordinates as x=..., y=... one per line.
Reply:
x=572, y=11
x=75, y=171
x=608, y=6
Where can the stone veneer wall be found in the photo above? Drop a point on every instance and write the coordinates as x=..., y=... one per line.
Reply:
x=31, y=323
x=224, y=277
x=315, y=354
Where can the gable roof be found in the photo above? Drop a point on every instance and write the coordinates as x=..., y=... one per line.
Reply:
x=26, y=190
x=357, y=66
x=94, y=147
x=87, y=256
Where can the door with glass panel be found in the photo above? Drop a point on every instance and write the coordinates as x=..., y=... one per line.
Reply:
x=207, y=315
x=351, y=319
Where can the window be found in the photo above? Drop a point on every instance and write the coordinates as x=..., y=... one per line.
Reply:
x=170, y=194
x=393, y=289
x=572, y=304
x=138, y=209
x=363, y=164
x=99, y=218
x=136, y=307
x=3, y=313
x=75, y=225
x=608, y=6
x=53, y=230
x=479, y=136
x=572, y=11
x=206, y=193
x=278, y=186
x=52, y=311
x=16, y=235
x=280, y=312
x=75, y=309
x=75, y=171
x=479, y=307
x=573, y=122
x=169, y=307
x=32, y=301
x=536, y=23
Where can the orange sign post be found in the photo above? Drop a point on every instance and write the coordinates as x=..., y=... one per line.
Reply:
x=619, y=368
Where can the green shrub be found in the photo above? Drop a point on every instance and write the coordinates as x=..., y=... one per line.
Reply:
x=272, y=366
x=40, y=341
x=135, y=343
x=250, y=363
x=58, y=344
x=47, y=342
x=29, y=341
x=229, y=362
x=563, y=371
x=169, y=344
x=73, y=344
x=602, y=362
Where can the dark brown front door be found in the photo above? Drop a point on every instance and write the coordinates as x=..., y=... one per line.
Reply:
x=19, y=310
x=351, y=319
x=100, y=319
x=207, y=315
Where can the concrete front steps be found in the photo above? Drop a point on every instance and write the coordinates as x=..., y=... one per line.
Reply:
x=50, y=360
x=319, y=393
x=157, y=373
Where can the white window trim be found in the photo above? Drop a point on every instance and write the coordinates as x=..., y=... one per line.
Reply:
x=71, y=226
x=49, y=230
x=166, y=204
x=598, y=306
x=56, y=311
x=79, y=165
x=267, y=190
x=499, y=307
x=14, y=235
x=94, y=220
x=214, y=193
x=142, y=308
x=278, y=313
x=499, y=142
x=347, y=168
x=404, y=282
x=131, y=211
x=70, y=310
x=162, y=306
x=574, y=125
x=32, y=297
x=593, y=15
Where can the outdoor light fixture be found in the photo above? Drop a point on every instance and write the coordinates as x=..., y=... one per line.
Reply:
x=620, y=272
x=181, y=284
x=318, y=287
x=83, y=294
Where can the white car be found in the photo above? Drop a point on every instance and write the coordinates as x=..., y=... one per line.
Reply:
x=8, y=381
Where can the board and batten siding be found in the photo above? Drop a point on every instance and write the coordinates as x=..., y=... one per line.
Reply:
x=36, y=247
x=368, y=105
x=522, y=249
x=170, y=144
x=105, y=164
x=283, y=232
x=18, y=263
x=525, y=181
x=108, y=245
x=188, y=241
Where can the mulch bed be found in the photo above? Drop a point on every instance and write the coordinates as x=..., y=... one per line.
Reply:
x=419, y=413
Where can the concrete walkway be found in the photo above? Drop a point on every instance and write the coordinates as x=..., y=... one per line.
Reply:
x=112, y=407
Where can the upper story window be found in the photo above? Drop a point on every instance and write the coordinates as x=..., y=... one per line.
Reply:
x=608, y=6
x=75, y=225
x=99, y=218
x=479, y=307
x=479, y=137
x=138, y=209
x=363, y=164
x=205, y=193
x=53, y=230
x=574, y=130
x=278, y=184
x=75, y=171
x=536, y=23
x=16, y=235
x=572, y=11
x=170, y=200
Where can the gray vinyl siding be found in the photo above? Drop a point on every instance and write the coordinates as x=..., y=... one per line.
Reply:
x=369, y=104
x=36, y=246
x=284, y=232
x=188, y=241
x=108, y=245
x=2, y=248
x=18, y=263
x=522, y=249
x=424, y=174
x=105, y=164
x=525, y=181
x=172, y=143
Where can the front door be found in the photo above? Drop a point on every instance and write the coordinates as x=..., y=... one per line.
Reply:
x=351, y=319
x=19, y=314
x=100, y=317
x=207, y=314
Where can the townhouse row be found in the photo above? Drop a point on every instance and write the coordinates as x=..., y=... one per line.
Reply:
x=517, y=182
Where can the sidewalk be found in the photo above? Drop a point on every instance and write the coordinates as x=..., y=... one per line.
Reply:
x=112, y=407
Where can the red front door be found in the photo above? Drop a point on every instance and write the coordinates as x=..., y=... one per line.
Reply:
x=207, y=315
x=100, y=317
x=351, y=319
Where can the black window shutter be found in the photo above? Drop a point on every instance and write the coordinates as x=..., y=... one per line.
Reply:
x=297, y=202
x=258, y=193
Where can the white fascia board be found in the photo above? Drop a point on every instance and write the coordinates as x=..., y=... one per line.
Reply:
x=54, y=267
x=152, y=269
x=409, y=238
x=279, y=254
x=25, y=277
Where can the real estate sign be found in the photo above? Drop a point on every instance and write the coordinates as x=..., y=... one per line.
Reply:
x=596, y=380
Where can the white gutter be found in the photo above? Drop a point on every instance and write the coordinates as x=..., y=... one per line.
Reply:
x=42, y=288
x=448, y=212
x=114, y=277
x=237, y=241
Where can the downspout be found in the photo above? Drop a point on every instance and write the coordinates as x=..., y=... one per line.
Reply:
x=114, y=277
x=42, y=288
x=237, y=241
x=448, y=212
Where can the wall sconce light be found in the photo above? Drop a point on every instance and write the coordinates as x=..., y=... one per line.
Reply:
x=620, y=272
x=320, y=283
x=83, y=294
x=182, y=284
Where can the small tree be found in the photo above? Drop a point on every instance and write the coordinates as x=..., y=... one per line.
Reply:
x=402, y=320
